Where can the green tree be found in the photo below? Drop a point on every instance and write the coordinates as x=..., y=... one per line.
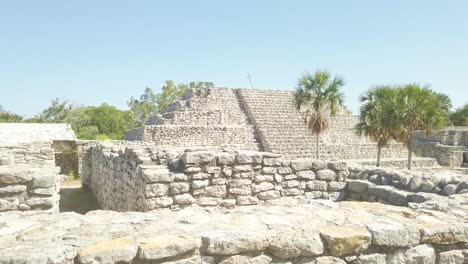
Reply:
x=319, y=96
x=8, y=117
x=445, y=101
x=418, y=108
x=144, y=107
x=58, y=112
x=460, y=116
x=378, y=116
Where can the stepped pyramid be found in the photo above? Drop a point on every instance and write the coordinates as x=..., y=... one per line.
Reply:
x=251, y=119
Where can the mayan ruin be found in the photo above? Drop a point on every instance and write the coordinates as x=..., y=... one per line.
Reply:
x=233, y=132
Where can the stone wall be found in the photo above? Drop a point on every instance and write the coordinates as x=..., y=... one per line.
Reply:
x=449, y=146
x=318, y=232
x=20, y=133
x=202, y=117
x=142, y=178
x=29, y=179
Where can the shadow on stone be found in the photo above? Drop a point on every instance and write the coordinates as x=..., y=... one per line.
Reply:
x=77, y=200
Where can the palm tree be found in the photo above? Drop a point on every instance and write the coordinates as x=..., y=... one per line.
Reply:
x=319, y=96
x=418, y=108
x=378, y=116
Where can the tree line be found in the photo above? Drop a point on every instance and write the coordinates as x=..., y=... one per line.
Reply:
x=106, y=121
x=387, y=113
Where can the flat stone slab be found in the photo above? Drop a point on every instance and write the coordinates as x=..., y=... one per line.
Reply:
x=320, y=231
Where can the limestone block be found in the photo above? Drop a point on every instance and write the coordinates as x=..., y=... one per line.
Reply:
x=228, y=202
x=216, y=191
x=11, y=189
x=242, y=168
x=179, y=187
x=208, y=201
x=8, y=204
x=393, y=235
x=184, y=199
x=326, y=175
x=335, y=196
x=166, y=246
x=290, y=177
x=220, y=181
x=341, y=176
x=290, y=243
x=269, y=170
x=390, y=194
x=309, y=175
x=243, y=159
x=271, y=162
x=156, y=190
x=213, y=169
x=121, y=250
x=198, y=157
x=242, y=190
x=269, y=195
x=292, y=192
x=42, y=201
x=264, y=186
x=358, y=186
x=243, y=259
x=193, y=260
x=227, y=171
x=284, y=170
x=343, y=240
x=181, y=177
x=246, y=200
x=13, y=175
x=336, y=186
x=451, y=257
x=158, y=202
x=370, y=259
x=225, y=159
x=301, y=164
x=43, y=191
x=198, y=192
x=313, y=195
x=337, y=165
x=243, y=175
x=235, y=183
x=200, y=176
x=226, y=243
x=422, y=254
x=443, y=234
x=264, y=178
x=154, y=176
x=191, y=170
x=449, y=189
x=290, y=184
x=200, y=184
x=329, y=260
x=317, y=185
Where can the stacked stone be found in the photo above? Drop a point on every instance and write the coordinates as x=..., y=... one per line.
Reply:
x=318, y=233
x=281, y=130
x=29, y=179
x=202, y=117
x=412, y=181
x=140, y=178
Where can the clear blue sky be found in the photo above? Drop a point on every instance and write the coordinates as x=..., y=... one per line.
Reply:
x=106, y=51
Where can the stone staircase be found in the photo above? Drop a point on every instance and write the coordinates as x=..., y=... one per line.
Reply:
x=201, y=118
x=282, y=130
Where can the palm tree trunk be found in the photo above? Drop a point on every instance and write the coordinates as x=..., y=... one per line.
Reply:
x=410, y=151
x=379, y=151
x=317, y=146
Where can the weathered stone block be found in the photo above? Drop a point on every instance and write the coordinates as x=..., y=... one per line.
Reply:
x=290, y=243
x=301, y=164
x=226, y=159
x=309, y=175
x=342, y=240
x=292, y=192
x=243, y=159
x=241, y=190
x=451, y=257
x=200, y=176
x=415, y=255
x=200, y=184
x=166, y=246
x=9, y=189
x=337, y=165
x=216, y=191
x=44, y=181
x=158, y=202
x=156, y=190
x=269, y=170
x=272, y=162
x=269, y=195
x=198, y=157
x=120, y=250
x=247, y=200
x=179, y=187
x=208, y=201
x=233, y=243
x=43, y=191
x=393, y=235
x=264, y=186
x=290, y=184
x=317, y=185
x=184, y=199
x=219, y=181
x=326, y=175
x=358, y=186
x=336, y=186
x=235, y=183
x=242, y=168
x=264, y=178
x=284, y=170
x=241, y=259
x=13, y=175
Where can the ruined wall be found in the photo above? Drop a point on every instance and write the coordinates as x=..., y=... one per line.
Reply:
x=202, y=117
x=29, y=179
x=137, y=179
x=449, y=146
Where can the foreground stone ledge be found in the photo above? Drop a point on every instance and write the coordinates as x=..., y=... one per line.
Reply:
x=287, y=230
